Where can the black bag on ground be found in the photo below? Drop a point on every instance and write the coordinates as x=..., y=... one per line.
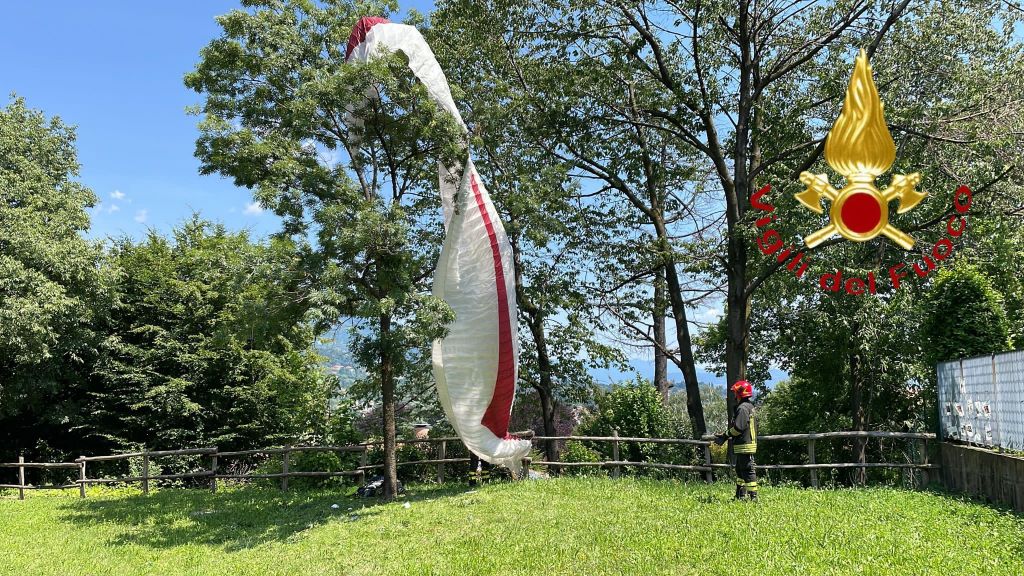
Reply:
x=375, y=487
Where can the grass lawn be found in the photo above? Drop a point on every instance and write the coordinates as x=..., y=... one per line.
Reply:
x=564, y=526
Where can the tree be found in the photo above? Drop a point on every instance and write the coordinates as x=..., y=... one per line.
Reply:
x=206, y=346
x=866, y=352
x=552, y=232
x=965, y=316
x=53, y=283
x=636, y=169
x=713, y=398
x=704, y=103
x=286, y=116
x=853, y=364
x=635, y=410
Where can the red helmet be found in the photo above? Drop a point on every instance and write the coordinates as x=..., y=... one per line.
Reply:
x=742, y=389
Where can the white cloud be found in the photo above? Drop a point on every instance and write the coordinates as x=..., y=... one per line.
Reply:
x=712, y=313
x=113, y=208
x=141, y=215
x=253, y=209
x=117, y=195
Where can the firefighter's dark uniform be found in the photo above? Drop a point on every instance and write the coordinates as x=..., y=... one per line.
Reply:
x=743, y=436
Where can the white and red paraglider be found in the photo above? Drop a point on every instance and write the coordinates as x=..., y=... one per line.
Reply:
x=476, y=366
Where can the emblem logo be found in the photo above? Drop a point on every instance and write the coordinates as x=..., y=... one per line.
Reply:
x=860, y=147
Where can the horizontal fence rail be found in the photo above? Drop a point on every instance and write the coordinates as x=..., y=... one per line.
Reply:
x=441, y=459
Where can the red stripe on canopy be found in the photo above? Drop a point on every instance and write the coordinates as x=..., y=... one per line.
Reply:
x=499, y=410
x=360, y=30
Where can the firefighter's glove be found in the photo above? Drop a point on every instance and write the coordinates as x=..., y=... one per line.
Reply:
x=721, y=439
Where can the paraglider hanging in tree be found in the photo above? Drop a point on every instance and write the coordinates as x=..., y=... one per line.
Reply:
x=476, y=365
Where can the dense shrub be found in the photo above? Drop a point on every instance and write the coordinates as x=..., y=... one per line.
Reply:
x=634, y=409
x=576, y=451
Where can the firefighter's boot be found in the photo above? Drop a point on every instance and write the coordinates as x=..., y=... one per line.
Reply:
x=752, y=491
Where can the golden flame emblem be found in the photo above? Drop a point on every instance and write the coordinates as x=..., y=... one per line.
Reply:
x=860, y=148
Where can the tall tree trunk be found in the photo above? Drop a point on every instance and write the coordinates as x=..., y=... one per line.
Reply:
x=737, y=325
x=686, y=363
x=545, y=385
x=655, y=212
x=737, y=347
x=660, y=357
x=387, y=385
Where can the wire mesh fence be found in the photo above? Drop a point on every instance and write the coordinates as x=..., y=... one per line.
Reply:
x=981, y=400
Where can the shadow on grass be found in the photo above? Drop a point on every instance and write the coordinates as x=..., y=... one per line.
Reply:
x=235, y=519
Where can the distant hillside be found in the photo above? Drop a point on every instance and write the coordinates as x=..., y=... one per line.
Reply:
x=339, y=361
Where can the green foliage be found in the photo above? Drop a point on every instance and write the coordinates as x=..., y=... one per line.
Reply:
x=634, y=409
x=309, y=461
x=576, y=451
x=680, y=112
x=584, y=526
x=54, y=285
x=164, y=343
x=712, y=397
x=285, y=115
x=800, y=405
x=965, y=316
x=207, y=346
x=48, y=270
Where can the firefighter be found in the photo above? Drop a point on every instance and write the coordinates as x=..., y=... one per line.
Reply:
x=742, y=434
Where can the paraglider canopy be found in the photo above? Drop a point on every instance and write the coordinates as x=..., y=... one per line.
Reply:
x=476, y=365
x=359, y=32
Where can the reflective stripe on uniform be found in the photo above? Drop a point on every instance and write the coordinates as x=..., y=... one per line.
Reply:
x=749, y=447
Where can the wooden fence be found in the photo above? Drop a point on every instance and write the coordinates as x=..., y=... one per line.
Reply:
x=812, y=466
x=614, y=466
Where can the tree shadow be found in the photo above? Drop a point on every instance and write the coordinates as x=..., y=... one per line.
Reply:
x=235, y=519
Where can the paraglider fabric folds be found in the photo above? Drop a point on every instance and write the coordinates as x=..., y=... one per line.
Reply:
x=476, y=365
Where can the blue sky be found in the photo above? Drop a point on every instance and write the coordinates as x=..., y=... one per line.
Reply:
x=114, y=70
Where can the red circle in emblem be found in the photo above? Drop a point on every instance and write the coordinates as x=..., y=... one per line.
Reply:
x=861, y=213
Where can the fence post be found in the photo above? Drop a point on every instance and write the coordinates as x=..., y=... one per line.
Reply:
x=81, y=476
x=285, y=461
x=709, y=476
x=811, y=460
x=526, y=467
x=442, y=452
x=21, y=478
x=145, y=473
x=213, y=471
x=912, y=473
x=616, y=470
x=924, y=460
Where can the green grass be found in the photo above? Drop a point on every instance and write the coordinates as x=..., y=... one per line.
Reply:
x=565, y=526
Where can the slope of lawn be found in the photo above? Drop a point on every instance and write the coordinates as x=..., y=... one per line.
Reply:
x=563, y=526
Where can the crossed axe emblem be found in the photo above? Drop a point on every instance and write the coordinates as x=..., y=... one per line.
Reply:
x=860, y=148
x=860, y=211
